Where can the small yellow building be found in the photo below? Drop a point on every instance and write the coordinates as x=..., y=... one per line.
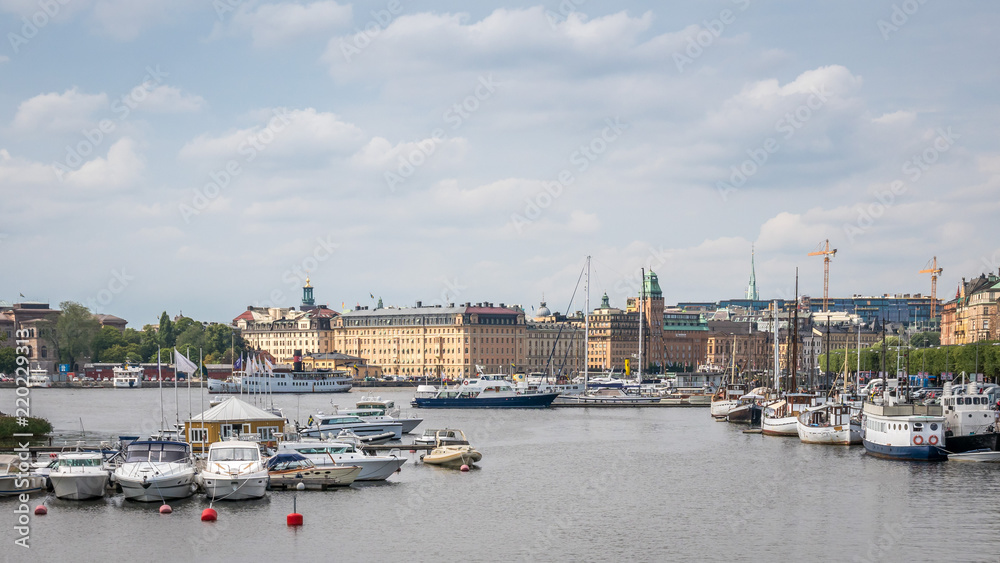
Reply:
x=231, y=418
x=355, y=366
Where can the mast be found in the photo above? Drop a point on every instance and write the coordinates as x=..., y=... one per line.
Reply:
x=159, y=376
x=642, y=314
x=586, y=330
x=793, y=361
x=777, y=357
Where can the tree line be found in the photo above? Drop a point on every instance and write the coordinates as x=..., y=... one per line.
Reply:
x=981, y=357
x=80, y=336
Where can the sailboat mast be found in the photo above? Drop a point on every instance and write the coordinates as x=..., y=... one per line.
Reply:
x=642, y=314
x=777, y=357
x=159, y=376
x=586, y=329
x=793, y=361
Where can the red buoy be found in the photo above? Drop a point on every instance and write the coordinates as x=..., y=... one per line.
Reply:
x=40, y=510
x=413, y=451
x=464, y=468
x=209, y=515
x=294, y=519
x=165, y=509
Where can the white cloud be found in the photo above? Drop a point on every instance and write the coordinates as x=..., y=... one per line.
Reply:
x=275, y=24
x=54, y=112
x=124, y=20
x=896, y=118
x=168, y=99
x=16, y=171
x=122, y=168
x=4, y=59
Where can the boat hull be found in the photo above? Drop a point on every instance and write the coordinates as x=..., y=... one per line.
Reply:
x=962, y=444
x=537, y=401
x=79, y=486
x=158, y=489
x=239, y=487
x=368, y=429
x=905, y=453
x=17, y=484
x=830, y=435
x=720, y=409
x=745, y=414
x=453, y=458
x=320, y=478
x=783, y=426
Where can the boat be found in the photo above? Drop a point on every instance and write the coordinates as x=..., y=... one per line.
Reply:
x=344, y=452
x=234, y=470
x=322, y=425
x=127, y=377
x=726, y=399
x=453, y=453
x=608, y=397
x=38, y=378
x=376, y=409
x=830, y=423
x=432, y=436
x=970, y=420
x=262, y=378
x=781, y=417
x=289, y=469
x=13, y=481
x=749, y=409
x=79, y=475
x=484, y=391
x=981, y=456
x=156, y=471
x=898, y=429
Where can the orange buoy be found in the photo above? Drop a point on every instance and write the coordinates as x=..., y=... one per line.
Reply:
x=209, y=515
x=165, y=509
x=40, y=510
x=464, y=468
x=294, y=519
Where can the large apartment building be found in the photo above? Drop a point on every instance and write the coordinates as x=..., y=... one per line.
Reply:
x=967, y=318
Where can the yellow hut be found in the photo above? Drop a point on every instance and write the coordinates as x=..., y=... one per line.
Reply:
x=231, y=418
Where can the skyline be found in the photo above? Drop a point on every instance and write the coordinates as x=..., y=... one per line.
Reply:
x=207, y=156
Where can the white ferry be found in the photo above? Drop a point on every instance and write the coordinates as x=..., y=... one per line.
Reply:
x=284, y=382
x=39, y=378
x=904, y=431
x=127, y=377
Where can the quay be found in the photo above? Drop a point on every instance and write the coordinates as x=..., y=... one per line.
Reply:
x=623, y=405
x=44, y=450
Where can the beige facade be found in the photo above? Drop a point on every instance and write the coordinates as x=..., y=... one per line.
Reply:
x=281, y=331
x=969, y=317
x=554, y=347
x=37, y=325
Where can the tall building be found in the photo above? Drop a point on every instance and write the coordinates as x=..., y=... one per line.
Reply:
x=38, y=320
x=280, y=331
x=613, y=339
x=685, y=340
x=752, y=286
x=967, y=317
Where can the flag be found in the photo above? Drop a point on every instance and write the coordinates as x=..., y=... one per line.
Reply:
x=182, y=364
x=238, y=365
x=269, y=365
x=372, y=294
x=21, y=294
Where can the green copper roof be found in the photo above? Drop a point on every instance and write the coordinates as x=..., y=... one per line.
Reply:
x=651, y=285
x=604, y=301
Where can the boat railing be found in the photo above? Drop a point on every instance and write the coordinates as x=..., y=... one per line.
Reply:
x=903, y=410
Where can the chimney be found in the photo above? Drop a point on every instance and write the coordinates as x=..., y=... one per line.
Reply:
x=418, y=304
x=297, y=360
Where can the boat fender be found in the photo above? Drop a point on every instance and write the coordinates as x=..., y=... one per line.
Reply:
x=933, y=440
x=918, y=439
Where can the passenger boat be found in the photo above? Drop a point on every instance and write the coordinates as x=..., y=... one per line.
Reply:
x=234, y=470
x=970, y=419
x=127, y=377
x=15, y=482
x=79, y=475
x=376, y=409
x=345, y=452
x=781, y=417
x=156, y=471
x=453, y=453
x=830, y=423
x=39, y=379
x=900, y=430
x=322, y=425
x=485, y=391
x=289, y=469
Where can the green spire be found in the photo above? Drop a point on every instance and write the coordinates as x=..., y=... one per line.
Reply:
x=651, y=285
x=604, y=301
x=752, y=286
x=379, y=306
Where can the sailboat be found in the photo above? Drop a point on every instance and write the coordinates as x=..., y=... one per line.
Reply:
x=835, y=423
x=728, y=395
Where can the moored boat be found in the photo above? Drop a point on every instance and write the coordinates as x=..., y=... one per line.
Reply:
x=79, y=476
x=345, y=452
x=234, y=470
x=454, y=453
x=970, y=418
x=830, y=423
x=904, y=431
x=156, y=471
x=13, y=481
x=289, y=469
x=485, y=391
x=781, y=417
x=127, y=377
x=726, y=399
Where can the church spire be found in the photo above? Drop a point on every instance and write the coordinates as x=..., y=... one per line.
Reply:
x=752, y=286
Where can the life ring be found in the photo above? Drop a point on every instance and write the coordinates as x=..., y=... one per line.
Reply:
x=918, y=439
x=933, y=440
x=466, y=382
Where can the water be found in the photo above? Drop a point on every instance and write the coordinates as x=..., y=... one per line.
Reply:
x=554, y=485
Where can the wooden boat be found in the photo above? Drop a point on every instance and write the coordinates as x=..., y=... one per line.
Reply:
x=781, y=417
x=289, y=469
x=831, y=424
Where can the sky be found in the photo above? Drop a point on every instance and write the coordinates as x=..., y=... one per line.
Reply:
x=198, y=157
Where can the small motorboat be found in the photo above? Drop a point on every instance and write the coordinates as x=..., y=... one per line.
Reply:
x=346, y=451
x=981, y=456
x=15, y=482
x=234, y=471
x=156, y=471
x=79, y=476
x=288, y=469
x=456, y=452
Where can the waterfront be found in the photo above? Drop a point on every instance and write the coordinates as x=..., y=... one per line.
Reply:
x=554, y=484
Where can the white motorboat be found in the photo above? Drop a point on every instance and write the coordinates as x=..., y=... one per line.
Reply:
x=345, y=452
x=376, y=409
x=156, y=471
x=454, y=453
x=127, y=377
x=14, y=481
x=830, y=423
x=322, y=425
x=79, y=476
x=39, y=379
x=432, y=436
x=234, y=470
x=970, y=419
x=981, y=456
x=289, y=469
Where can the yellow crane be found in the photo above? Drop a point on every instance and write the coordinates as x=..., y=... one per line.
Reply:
x=826, y=253
x=933, y=271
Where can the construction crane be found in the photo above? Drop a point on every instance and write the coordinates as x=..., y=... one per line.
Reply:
x=826, y=253
x=933, y=271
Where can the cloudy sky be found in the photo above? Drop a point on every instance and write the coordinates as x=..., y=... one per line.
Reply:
x=196, y=156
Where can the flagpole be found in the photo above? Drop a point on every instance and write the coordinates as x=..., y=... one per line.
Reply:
x=177, y=400
x=159, y=376
x=202, y=381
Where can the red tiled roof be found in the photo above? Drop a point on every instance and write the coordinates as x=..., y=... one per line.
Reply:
x=246, y=316
x=323, y=312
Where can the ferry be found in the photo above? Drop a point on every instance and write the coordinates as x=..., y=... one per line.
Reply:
x=900, y=430
x=127, y=377
x=485, y=391
x=319, y=381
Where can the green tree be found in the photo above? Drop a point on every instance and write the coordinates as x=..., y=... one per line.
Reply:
x=8, y=360
x=76, y=329
x=166, y=335
x=107, y=337
x=925, y=339
x=190, y=338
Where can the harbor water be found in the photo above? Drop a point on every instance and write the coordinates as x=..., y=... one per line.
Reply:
x=653, y=484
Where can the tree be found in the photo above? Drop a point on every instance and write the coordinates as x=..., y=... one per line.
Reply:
x=75, y=329
x=925, y=339
x=166, y=335
x=8, y=360
x=107, y=337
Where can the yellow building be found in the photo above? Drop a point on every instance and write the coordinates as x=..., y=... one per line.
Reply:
x=357, y=367
x=966, y=319
x=231, y=418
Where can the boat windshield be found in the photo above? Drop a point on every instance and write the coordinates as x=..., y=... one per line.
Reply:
x=94, y=462
x=160, y=453
x=325, y=450
x=233, y=454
